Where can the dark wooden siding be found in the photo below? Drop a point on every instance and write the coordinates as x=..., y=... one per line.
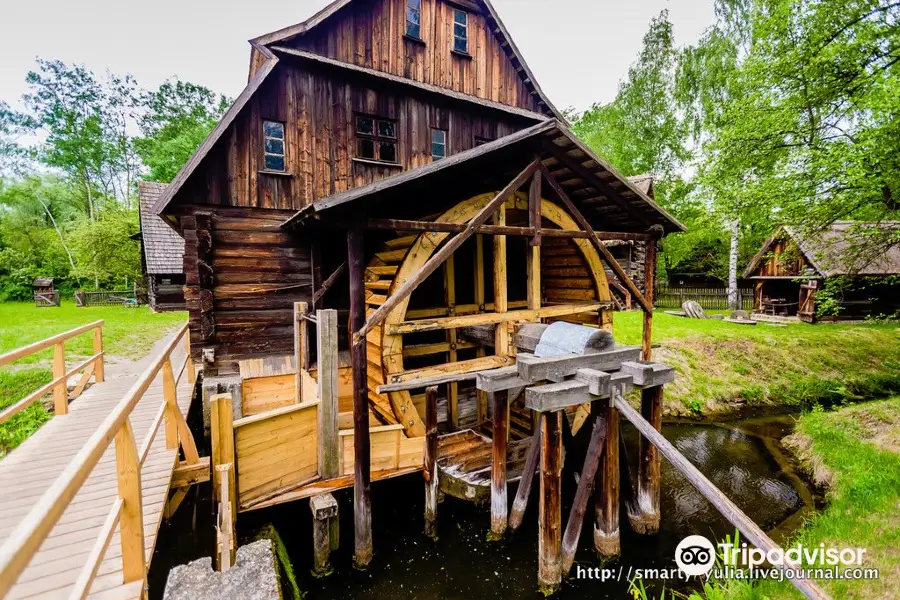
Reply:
x=243, y=275
x=370, y=33
x=317, y=105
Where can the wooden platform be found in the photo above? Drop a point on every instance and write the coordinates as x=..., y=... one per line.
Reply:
x=464, y=464
x=27, y=472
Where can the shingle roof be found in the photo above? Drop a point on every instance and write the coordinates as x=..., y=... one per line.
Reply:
x=163, y=248
x=841, y=249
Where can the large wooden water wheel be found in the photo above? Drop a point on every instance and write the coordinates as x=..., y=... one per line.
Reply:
x=571, y=270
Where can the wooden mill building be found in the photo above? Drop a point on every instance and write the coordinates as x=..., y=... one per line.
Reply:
x=396, y=162
x=162, y=253
x=791, y=267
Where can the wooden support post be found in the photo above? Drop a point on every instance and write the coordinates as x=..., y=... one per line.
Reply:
x=480, y=396
x=644, y=517
x=450, y=300
x=606, y=490
x=328, y=450
x=550, y=507
x=131, y=520
x=301, y=347
x=99, y=371
x=222, y=453
x=431, y=472
x=226, y=544
x=534, y=206
x=649, y=289
x=524, y=490
x=324, y=510
x=189, y=365
x=501, y=299
x=60, y=391
x=170, y=396
x=362, y=502
x=582, y=495
x=500, y=428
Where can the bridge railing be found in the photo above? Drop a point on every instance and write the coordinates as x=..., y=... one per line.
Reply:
x=127, y=511
x=91, y=366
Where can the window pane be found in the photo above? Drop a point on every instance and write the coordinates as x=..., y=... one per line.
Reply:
x=460, y=17
x=386, y=129
x=412, y=16
x=274, y=163
x=438, y=150
x=275, y=146
x=388, y=152
x=273, y=130
x=416, y=4
x=459, y=31
x=366, y=149
x=461, y=45
x=365, y=125
x=438, y=136
x=414, y=31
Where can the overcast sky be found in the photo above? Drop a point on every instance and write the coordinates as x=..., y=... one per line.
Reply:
x=578, y=49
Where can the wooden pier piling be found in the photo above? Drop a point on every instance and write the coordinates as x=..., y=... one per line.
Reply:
x=583, y=494
x=430, y=472
x=644, y=515
x=606, y=492
x=550, y=508
x=499, y=429
x=324, y=510
x=362, y=501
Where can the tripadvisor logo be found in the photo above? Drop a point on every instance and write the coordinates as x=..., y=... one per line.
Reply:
x=695, y=555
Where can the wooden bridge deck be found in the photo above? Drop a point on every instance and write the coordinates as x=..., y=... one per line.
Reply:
x=27, y=472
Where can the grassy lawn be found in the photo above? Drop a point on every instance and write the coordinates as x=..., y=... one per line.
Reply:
x=855, y=451
x=722, y=367
x=127, y=332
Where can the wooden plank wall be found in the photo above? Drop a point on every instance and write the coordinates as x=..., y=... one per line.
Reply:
x=778, y=265
x=566, y=278
x=370, y=33
x=240, y=298
x=318, y=107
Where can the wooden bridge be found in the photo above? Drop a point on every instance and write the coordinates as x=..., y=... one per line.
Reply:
x=83, y=498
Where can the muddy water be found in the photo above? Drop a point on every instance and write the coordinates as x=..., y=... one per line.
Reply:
x=744, y=459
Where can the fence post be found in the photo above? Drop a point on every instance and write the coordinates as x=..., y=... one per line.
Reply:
x=99, y=373
x=60, y=392
x=189, y=365
x=131, y=521
x=170, y=396
x=222, y=434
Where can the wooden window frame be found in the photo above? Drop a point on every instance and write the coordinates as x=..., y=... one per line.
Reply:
x=454, y=49
x=446, y=143
x=377, y=139
x=418, y=12
x=265, y=153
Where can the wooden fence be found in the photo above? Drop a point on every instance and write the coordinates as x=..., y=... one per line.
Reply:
x=709, y=298
x=91, y=366
x=46, y=298
x=126, y=512
x=103, y=298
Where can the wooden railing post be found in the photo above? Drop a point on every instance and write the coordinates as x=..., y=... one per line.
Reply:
x=222, y=434
x=300, y=346
x=131, y=521
x=170, y=397
x=60, y=392
x=99, y=373
x=189, y=364
x=327, y=352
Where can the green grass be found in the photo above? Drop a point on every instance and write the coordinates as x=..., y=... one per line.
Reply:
x=723, y=367
x=127, y=333
x=857, y=451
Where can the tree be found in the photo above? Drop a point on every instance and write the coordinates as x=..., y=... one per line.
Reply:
x=179, y=117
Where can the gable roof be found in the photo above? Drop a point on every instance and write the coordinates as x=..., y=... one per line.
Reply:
x=831, y=252
x=493, y=18
x=644, y=183
x=604, y=194
x=163, y=248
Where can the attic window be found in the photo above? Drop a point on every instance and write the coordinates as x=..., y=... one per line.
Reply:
x=414, y=19
x=376, y=139
x=460, y=31
x=273, y=133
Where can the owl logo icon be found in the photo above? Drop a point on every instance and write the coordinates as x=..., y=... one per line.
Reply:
x=695, y=555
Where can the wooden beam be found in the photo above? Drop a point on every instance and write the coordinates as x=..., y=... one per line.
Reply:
x=301, y=347
x=501, y=298
x=362, y=501
x=557, y=310
x=582, y=495
x=601, y=247
x=441, y=255
x=186, y=475
x=430, y=472
x=750, y=530
x=480, y=396
x=499, y=431
x=644, y=516
x=458, y=371
x=524, y=490
x=222, y=455
x=534, y=207
x=60, y=391
x=606, y=492
x=327, y=381
x=450, y=301
x=131, y=520
x=529, y=232
x=649, y=290
x=326, y=285
x=550, y=506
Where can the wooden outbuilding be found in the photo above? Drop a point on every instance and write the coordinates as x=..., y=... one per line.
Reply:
x=792, y=267
x=370, y=226
x=162, y=253
x=44, y=292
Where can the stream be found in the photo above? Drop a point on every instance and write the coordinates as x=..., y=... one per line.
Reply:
x=743, y=458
